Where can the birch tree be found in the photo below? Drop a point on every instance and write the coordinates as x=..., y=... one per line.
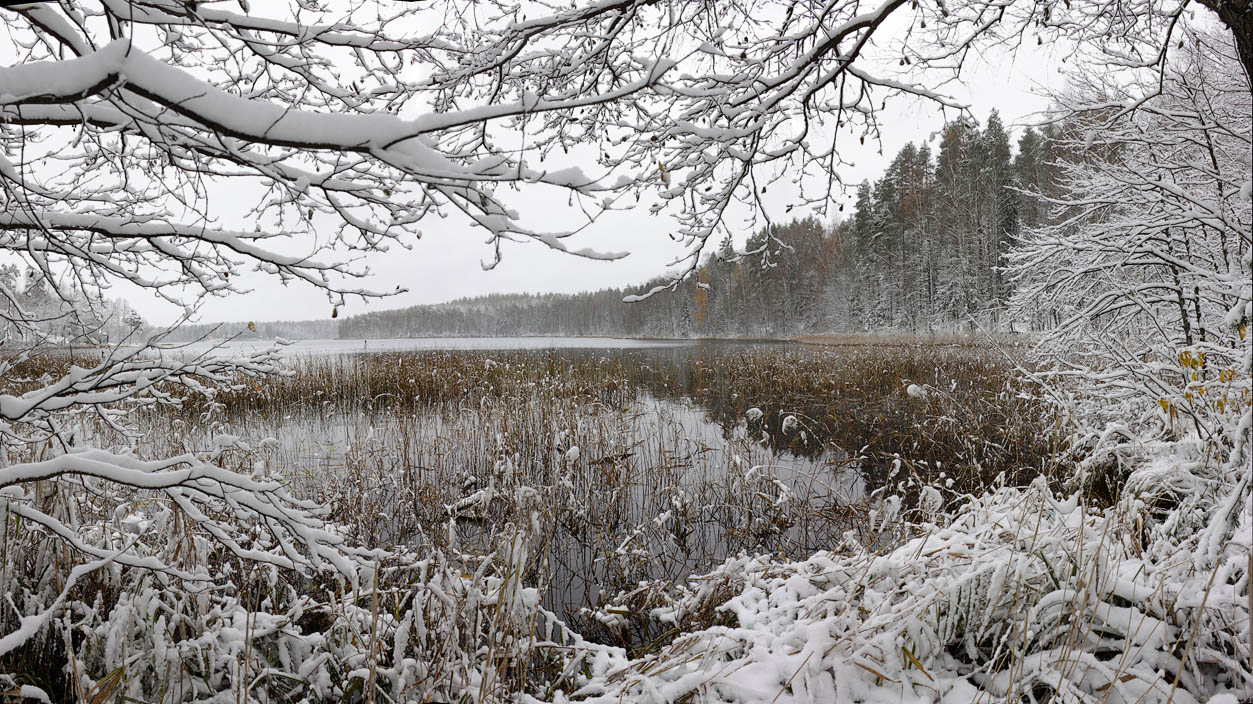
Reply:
x=1146, y=266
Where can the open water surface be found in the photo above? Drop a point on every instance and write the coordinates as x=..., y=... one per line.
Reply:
x=716, y=448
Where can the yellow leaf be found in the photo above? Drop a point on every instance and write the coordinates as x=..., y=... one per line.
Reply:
x=105, y=688
x=914, y=661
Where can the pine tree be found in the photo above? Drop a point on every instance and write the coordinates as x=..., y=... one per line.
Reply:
x=996, y=184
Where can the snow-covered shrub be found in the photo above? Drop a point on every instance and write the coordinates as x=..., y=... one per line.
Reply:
x=100, y=538
x=1146, y=265
x=1024, y=595
x=436, y=627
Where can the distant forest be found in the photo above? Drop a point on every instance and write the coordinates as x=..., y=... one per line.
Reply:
x=924, y=250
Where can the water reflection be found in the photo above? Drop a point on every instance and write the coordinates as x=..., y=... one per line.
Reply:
x=637, y=460
x=663, y=488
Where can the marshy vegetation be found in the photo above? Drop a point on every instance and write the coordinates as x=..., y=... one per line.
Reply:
x=627, y=466
x=584, y=521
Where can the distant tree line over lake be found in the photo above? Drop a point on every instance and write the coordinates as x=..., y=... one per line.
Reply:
x=923, y=250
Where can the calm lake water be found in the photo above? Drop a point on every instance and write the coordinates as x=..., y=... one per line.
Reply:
x=413, y=344
x=645, y=459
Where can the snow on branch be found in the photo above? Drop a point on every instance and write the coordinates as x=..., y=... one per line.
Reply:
x=299, y=538
x=358, y=120
x=1146, y=268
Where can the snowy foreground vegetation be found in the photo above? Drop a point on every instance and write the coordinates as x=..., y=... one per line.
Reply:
x=1048, y=588
x=181, y=575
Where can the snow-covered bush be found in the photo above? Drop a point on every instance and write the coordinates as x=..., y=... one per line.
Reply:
x=437, y=627
x=1147, y=267
x=1022, y=596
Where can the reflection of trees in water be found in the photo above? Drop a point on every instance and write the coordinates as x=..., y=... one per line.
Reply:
x=706, y=378
x=702, y=375
x=853, y=404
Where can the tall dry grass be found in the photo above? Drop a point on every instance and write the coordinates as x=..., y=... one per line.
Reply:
x=500, y=535
x=442, y=449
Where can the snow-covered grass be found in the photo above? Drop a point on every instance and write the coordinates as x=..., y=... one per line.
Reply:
x=1020, y=596
x=413, y=629
x=1035, y=591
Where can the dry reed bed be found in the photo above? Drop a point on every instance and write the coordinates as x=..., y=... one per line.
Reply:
x=446, y=449
x=463, y=462
x=978, y=418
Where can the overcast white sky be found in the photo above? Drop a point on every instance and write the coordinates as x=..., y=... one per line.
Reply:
x=446, y=263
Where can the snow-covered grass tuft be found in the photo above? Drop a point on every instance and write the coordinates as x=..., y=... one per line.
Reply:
x=1022, y=596
x=438, y=627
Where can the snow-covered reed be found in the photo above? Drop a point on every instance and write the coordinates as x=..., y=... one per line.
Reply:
x=1034, y=589
x=1021, y=596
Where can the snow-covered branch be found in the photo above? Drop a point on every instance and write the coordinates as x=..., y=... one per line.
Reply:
x=1152, y=244
x=363, y=119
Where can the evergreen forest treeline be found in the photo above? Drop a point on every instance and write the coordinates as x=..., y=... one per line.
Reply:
x=923, y=250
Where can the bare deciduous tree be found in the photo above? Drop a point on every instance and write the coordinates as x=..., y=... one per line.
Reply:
x=131, y=127
x=1147, y=266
